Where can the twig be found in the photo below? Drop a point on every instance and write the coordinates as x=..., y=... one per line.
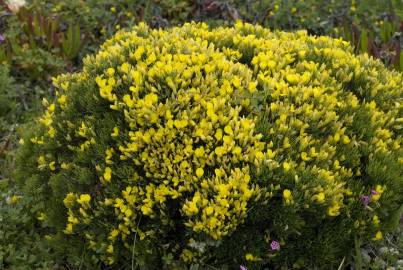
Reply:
x=134, y=242
x=341, y=264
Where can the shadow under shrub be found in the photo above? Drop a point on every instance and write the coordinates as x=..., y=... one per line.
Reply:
x=190, y=146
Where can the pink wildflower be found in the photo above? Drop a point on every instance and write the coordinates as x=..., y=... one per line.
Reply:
x=275, y=245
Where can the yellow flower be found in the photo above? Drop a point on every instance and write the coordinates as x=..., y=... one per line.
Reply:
x=69, y=200
x=125, y=67
x=108, y=174
x=199, y=152
x=13, y=199
x=115, y=132
x=236, y=82
x=209, y=210
x=62, y=100
x=251, y=257
x=237, y=150
x=302, y=53
x=52, y=108
x=218, y=135
x=108, y=202
x=228, y=130
x=72, y=219
x=187, y=255
x=179, y=124
x=199, y=172
x=375, y=220
x=270, y=154
x=41, y=216
x=69, y=229
x=379, y=189
x=320, y=197
x=110, y=260
x=64, y=166
x=41, y=162
x=333, y=210
x=336, y=137
x=292, y=78
x=378, y=192
x=110, y=72
x=114, y=233
x=52, y=166
x=304, y=156
x=51, y=132
x=83, y=130
x=378, y=236
x=286, y=143
x=336, y=165
x=219, y=151
x=84, y=199
x=147, y=210
x=252, y=87
x=286, y=166
x=287, y=194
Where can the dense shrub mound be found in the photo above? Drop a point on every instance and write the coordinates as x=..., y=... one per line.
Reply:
x=218, y=148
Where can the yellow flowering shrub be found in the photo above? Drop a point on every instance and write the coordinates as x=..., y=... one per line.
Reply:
x=221, y=147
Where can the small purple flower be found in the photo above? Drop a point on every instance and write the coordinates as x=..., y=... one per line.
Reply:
x=365, y=199
x=373, y=192
x=275, y=245
x=243, y=267
x=2, y=38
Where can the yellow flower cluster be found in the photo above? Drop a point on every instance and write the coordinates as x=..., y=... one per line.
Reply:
x=378, y=192
x=187, y=127
x=186, y=136
x=304, y=78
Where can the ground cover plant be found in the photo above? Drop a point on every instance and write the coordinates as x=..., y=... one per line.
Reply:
x=217, y=147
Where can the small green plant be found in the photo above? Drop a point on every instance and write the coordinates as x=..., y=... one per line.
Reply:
x=21, y=246
x=37, y=46
x=46, y=33
x=71, y=42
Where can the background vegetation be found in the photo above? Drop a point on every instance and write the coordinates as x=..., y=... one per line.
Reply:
x=44, y=38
